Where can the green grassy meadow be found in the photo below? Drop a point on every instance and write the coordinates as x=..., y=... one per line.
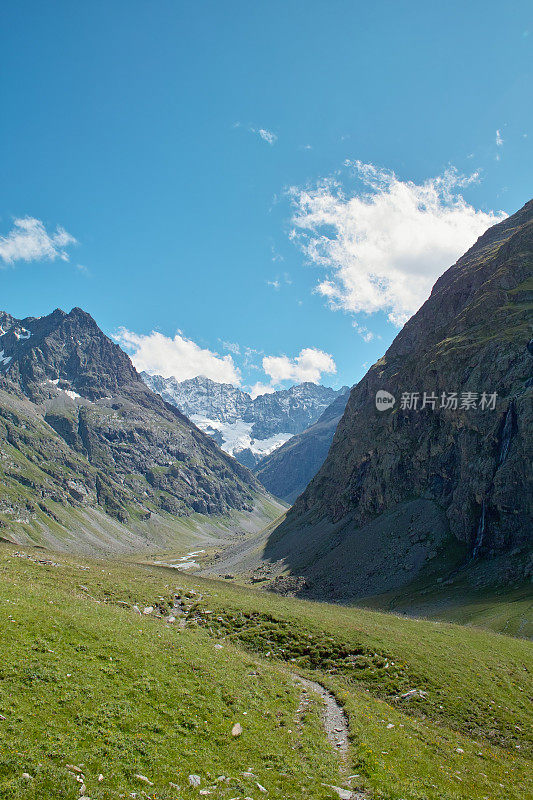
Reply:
x=87, y=681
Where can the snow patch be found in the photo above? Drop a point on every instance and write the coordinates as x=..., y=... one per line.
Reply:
x=22, y=334
x=237, y=436
x=5, y=360
x=185, y=562
x=71, y=393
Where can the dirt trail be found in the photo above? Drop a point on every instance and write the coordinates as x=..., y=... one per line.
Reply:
x=336, y=727
x=334, y=718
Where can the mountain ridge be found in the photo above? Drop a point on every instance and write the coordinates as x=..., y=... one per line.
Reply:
x=248, y=428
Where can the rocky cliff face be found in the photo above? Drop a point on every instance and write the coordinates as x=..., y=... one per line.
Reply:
x=79, y=427
x=398, y=483
x=246, y=428
x=287, y=470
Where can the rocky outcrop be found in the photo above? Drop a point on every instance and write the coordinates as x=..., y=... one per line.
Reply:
x=467, y=469
x=287, y=470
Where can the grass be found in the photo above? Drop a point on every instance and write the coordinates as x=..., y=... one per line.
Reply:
x=86, y=681
x=95, y=685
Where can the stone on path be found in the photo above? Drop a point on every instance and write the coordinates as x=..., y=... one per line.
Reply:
x=344, y=794
x=144, y=779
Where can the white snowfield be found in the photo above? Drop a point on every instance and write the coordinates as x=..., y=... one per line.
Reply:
x=20, y=334
x=237, y=436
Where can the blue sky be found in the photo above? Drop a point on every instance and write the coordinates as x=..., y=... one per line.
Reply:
x=251, y=181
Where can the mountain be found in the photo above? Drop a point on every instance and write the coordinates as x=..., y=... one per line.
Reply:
x=80, y=430
x=287, y=470
x=406, y=493
x=246, y=428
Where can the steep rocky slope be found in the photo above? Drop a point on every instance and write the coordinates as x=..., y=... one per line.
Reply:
x=246, y=428
x=287, y=470
x=80, y=429
x=405, y=491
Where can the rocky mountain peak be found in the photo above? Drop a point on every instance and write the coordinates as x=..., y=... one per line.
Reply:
x=77, y=419
x=63, y=349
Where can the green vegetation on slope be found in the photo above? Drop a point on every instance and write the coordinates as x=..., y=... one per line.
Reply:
x=87, y=681
x=94, y=685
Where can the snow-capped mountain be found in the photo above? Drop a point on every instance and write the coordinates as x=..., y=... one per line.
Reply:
x=247, y=428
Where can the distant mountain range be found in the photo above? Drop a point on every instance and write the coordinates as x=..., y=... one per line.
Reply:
x=246, y=428
x=287, y=470
x=439, y=476
x=80, y=430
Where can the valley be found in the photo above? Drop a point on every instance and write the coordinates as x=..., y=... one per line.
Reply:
x=266, y=400
x=347, y=617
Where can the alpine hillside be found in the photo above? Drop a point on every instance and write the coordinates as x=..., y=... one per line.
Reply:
x=80, y=431
x=424, y=486
x=247, y=428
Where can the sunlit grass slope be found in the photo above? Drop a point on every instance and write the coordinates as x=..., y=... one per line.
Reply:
x=84, y=680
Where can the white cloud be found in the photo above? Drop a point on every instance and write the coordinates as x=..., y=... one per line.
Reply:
x=307, y=366
x=179, y=357
x=267, y=136
x=261, y=388
x=231, y=347
x=363, y=331
x=275, y=255
x=250, y=356
x=276, y=283
x=385, y=244
x=499, y=139
x=29, y=241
